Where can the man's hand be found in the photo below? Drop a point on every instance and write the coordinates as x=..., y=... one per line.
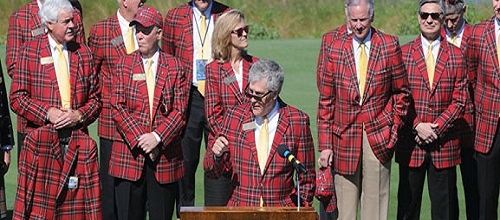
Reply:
x=325, y=158
x=426, y=133
x=220, y=146
x=67, y=118
x=147, y=142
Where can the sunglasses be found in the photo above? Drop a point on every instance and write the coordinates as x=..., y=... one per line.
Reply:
x=257, y=98
x=145, y=30
x=434, y=16
x=239, y=31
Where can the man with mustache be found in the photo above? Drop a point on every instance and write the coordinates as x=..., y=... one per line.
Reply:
x=55, y=90
x=25, y=25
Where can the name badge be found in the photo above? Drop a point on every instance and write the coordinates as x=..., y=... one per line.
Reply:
x=200, y=69
x=38, y=31
x=249, y=126
x=117, y=40
x=139, y=77
x=230, y=79
x=46, y=60
x=73, y=182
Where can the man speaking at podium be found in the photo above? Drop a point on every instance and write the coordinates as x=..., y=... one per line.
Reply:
x=247, y=146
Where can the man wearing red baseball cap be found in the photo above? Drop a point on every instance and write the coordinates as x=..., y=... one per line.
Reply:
x=149, y=103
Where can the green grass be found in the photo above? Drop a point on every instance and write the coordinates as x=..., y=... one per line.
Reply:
x=298, y=58
x=289, y=19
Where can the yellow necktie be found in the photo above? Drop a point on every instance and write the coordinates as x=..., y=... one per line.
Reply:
x=429, y=62
x=363, y=68
x=263, y=148
x=263, y=144
x=129, y=41
x=454, y=40
x=62, y=74
x=498, y=49
x=205, y=44
x=150, y=82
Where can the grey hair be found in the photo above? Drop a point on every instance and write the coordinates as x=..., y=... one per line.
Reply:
x=458, y=7
x=268, y=70
x=358, y=2
x=439, y=2
x=50, y=9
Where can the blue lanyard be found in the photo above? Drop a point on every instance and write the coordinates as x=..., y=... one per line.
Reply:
x=202, y=40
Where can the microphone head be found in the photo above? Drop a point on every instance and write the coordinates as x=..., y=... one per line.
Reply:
x=282, y=148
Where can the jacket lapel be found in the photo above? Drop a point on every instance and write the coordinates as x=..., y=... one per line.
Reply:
x=421, y=67
x=116, y=36
x=350, y=62
x=374, y=54
x=74, y=61
x=440, y=62
x=283, y=123
x=69, y=161
x=229, y=79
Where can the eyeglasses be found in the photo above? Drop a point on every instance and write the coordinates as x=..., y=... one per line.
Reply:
x=434, y=15
x=145, y=30
x=257, y=98
x=239, y=31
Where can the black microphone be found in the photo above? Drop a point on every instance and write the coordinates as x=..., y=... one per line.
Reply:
x=284, y=152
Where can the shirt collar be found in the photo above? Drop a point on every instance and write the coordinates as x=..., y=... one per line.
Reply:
x=271, y=114
x=53, y=43
x=207, y=12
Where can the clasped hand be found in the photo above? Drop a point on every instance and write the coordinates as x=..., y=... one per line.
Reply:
x=64, y=117
x=426, y=133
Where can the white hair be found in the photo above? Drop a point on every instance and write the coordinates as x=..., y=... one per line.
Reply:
x=268, y=70
x=50, y=9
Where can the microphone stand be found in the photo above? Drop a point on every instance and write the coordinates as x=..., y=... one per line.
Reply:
x=298, y=190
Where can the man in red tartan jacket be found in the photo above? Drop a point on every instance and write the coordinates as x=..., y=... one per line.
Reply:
x=149, y=102
x=428, y=144
x=25, y=25
x=55, y=89
x=483, y=59
x=360, y=112
x=107, y=42
x=260, y=176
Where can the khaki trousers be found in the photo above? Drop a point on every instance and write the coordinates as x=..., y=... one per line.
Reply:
x=368, y=187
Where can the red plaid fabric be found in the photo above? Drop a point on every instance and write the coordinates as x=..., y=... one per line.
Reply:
x=44, y=171
x=34, y=84
x=107, y=45
x=222, y=92
x=178, y=31
x=325, y=188
x=276, y=186
x=386, y=99
x=467, y=124
x=484, y=59
x=130, y=104
x=443, y=104
x=25, y=25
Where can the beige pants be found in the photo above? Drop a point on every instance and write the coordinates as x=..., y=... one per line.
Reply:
x=369, y=185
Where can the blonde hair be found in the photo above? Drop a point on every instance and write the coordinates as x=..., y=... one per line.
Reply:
x=221, y=37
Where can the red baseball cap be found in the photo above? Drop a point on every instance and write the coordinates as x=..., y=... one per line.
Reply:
x=148, y=16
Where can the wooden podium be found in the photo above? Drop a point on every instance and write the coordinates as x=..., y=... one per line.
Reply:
x=247, y=213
